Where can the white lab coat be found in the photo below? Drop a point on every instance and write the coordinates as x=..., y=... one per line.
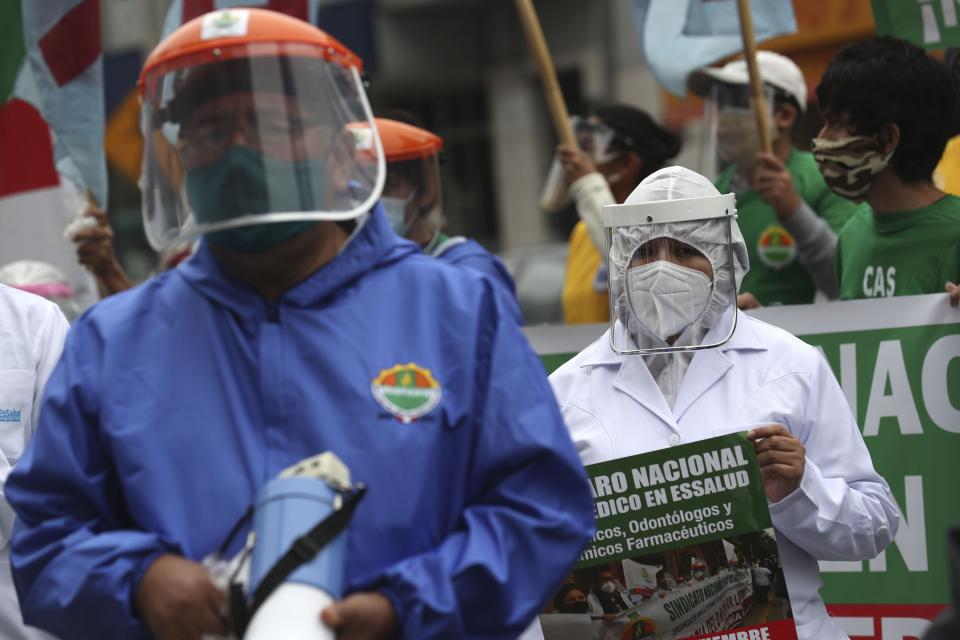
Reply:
x=32, y=332
x=841, y=511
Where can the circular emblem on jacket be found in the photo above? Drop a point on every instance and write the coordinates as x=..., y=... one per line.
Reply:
x=776, y=247
x=407, y=391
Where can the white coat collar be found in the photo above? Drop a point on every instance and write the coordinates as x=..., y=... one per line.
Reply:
x=600, y=353
x=706, y=368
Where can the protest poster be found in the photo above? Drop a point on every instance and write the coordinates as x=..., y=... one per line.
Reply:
x=898, y=363
x=684, y=548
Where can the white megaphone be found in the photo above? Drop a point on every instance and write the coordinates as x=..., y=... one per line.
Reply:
x=296, y=567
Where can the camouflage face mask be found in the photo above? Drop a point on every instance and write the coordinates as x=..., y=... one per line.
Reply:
x=848, y=165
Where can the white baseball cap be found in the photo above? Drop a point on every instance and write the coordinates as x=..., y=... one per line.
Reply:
x=776, y=70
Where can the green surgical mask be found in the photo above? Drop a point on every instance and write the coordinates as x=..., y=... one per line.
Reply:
x=245, y=182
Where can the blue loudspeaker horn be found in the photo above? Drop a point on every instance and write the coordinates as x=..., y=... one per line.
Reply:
x=296, y=569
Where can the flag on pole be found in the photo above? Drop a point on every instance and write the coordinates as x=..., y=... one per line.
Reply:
x=641, y=578
x=678, y=36
x=932, y=24
x=65, y=69
x=730, y=551
x=51, y=123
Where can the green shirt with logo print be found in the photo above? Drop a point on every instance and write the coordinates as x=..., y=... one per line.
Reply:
x=900, y=254
x=776, y=275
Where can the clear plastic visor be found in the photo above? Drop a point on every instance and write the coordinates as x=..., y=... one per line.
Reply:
x=258, y=138
x=730, y=134
x=599, y=141
x=672, y=286
x=412, y=198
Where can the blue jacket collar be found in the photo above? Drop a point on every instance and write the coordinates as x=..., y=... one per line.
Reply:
x=374, y=245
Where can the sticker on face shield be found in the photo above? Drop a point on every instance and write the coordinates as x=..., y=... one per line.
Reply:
x=229, y=23
x=776, y=247
x=407, y=391
x=362, y=138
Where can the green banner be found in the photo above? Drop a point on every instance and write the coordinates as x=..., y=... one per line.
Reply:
x=11, y=47
x=929, y=23
x=684, y=548
x=675, y=497
x=898, y=362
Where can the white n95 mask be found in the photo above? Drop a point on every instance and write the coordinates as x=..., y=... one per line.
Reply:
x=396, y=210
x=667, y=298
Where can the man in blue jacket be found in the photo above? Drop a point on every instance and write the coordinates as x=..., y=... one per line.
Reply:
x=302, y=325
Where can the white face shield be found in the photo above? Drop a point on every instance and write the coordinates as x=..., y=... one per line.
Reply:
x=599, y=141
x=730, y=134
x=258, y=137
x=411, y=197
x=675, y=258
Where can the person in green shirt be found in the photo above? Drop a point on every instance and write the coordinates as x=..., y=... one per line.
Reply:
x=890, y=110
x=788, y=216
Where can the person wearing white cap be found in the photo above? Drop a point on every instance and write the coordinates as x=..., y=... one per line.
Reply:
x=789, y=216
x=681, y=363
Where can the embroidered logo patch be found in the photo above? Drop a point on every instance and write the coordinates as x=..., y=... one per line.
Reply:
x=407, y=391
x=776, y=247
x=11, y=415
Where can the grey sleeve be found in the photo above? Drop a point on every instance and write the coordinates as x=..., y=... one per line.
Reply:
x=816, y=248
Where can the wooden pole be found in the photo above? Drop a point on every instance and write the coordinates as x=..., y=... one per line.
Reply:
x=547, y=72
x=756, y=83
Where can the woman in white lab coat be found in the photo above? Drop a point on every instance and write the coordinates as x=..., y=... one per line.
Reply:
x=680, y=364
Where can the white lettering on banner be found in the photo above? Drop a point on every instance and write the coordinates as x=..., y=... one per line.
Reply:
x=848, y=374
x=854, y=626
x=903, y=628
x=931, y=29
x=911, y=538
x=949, y=12
x=891, y=628
x=900, y=403
x=936, y=395
x=890, y=365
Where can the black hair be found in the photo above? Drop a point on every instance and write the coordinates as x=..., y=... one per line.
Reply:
x=564, y=591
x=888, y=80
x=637, y=132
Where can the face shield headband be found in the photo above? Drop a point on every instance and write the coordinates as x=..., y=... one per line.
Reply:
x=659, y=294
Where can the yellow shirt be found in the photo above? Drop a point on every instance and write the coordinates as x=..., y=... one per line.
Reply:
x=581, y=302
x=947, y=174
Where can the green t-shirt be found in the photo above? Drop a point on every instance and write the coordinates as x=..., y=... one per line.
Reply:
x=776, y=275
x=900, y=254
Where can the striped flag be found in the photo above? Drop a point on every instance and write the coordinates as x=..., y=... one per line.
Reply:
x=679, y=36
x=63, y=55
x=51, y=124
